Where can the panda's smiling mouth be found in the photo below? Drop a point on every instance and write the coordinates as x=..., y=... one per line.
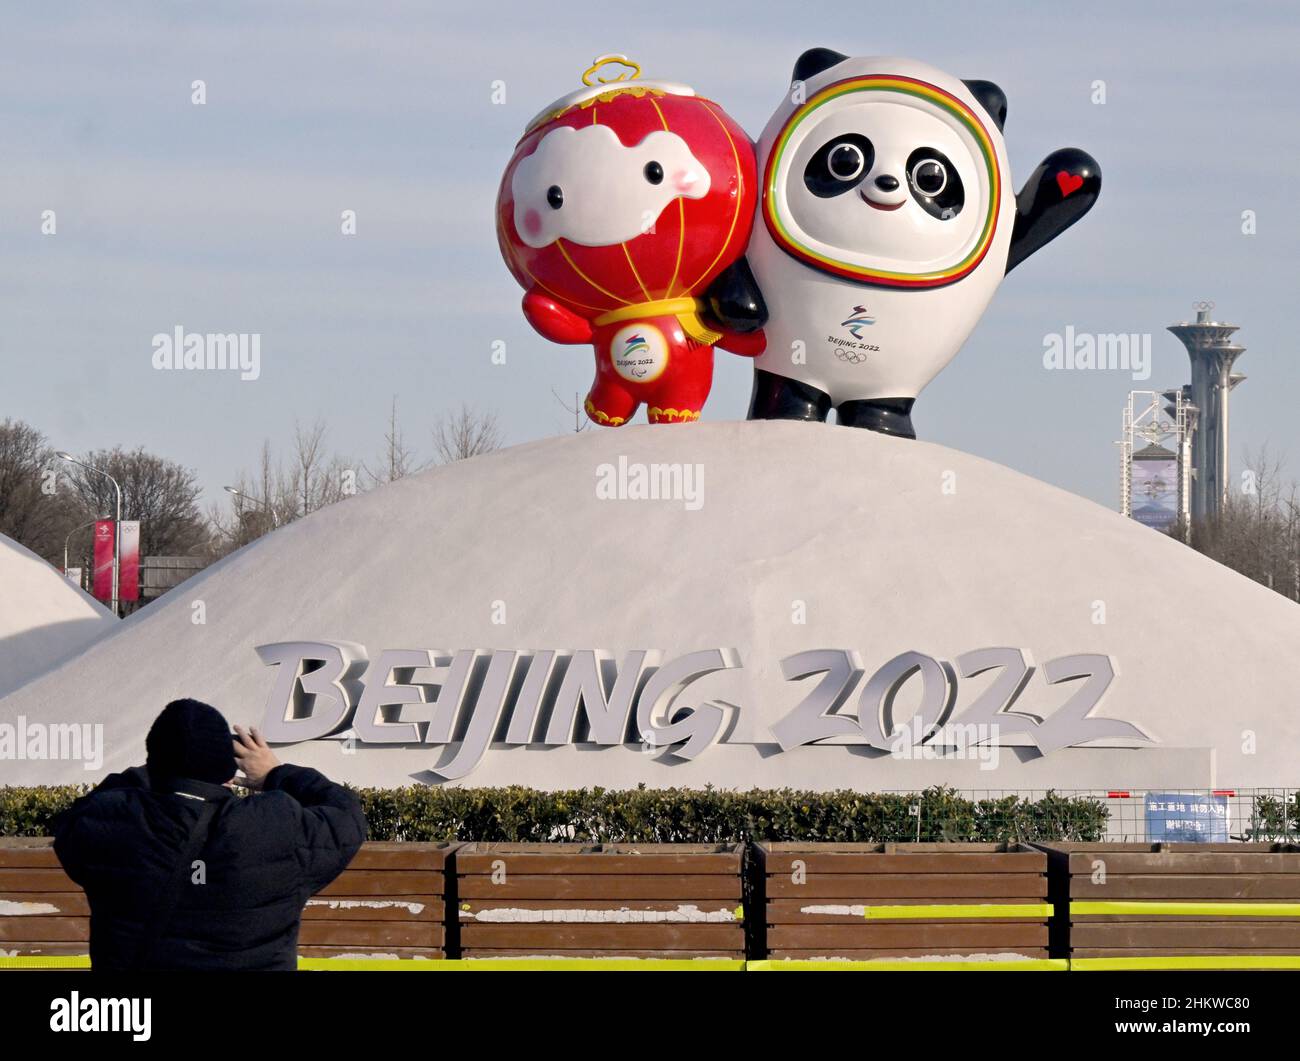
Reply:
x=877, y=205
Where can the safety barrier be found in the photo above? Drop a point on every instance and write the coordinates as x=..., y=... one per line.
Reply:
x=932, y=905
x=714, y=965
x=43, y=914
x=655, y=901
x=1176, y=906
x=768, y=907
x=388, y=903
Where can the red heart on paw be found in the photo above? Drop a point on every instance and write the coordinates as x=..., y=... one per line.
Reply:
x=1068, y=183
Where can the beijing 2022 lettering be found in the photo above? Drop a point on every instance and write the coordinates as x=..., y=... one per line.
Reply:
x=330, y=689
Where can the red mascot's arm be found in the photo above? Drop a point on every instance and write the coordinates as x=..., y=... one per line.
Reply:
x=554, y=322
x=748, y=344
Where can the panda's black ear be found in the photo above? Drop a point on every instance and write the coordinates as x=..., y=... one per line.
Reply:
x=991, y=98
x=814, y=61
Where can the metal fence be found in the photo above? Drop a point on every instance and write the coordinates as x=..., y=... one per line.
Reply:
x=1150, y=816
x=158, y=574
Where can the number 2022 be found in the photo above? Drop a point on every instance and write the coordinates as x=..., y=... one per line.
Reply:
x=816, y=717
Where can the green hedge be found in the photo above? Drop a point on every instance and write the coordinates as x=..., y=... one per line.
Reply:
x=27, y=811
x=676, y=815
x=1276, y=817
x=679, y=815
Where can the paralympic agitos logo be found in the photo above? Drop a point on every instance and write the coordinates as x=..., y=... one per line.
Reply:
x=330, y=689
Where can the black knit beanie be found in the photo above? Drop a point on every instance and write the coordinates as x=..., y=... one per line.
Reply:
x=191, y=740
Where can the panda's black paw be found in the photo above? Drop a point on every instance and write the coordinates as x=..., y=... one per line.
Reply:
x=889, y=416
x=1061, y=190
x=779, y=398
x=735, y=301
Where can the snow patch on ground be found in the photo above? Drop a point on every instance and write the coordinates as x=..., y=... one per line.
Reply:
x=13, y=909
x=688, y=914
x=366, y=904
x=375, y=956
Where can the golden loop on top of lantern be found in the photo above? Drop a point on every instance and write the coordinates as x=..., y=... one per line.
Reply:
x=610, y=60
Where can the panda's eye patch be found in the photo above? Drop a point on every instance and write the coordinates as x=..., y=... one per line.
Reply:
x=934, y=183
x=555, y=196
x=839, y=165
x=654, y=172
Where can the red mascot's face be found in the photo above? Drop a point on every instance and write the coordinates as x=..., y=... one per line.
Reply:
x=630, y=197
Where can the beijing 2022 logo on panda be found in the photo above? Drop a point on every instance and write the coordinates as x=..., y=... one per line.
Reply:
x=639, y=352
x=854, y=351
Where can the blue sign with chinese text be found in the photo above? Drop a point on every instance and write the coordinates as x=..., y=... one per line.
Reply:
x=1184, y=817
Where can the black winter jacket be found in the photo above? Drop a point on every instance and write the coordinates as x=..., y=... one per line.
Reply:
x=264, y=856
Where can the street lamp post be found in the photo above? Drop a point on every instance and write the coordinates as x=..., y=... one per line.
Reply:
x=69, y=539
x=270, y=511
x=117, y=524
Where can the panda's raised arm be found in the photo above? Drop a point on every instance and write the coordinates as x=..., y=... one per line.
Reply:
x=734, y=299
x=1059, y=192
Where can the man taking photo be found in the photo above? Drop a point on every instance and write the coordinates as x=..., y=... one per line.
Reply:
x=181, y=873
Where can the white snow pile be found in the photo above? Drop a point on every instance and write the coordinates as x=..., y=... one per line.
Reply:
x=776, y=539
x=44, y=618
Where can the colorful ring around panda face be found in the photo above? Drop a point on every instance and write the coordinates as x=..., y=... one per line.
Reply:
x=928, y=93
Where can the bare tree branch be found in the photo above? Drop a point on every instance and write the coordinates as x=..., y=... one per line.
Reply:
x=465, y=433
x=160, y=493
x=581, y=421
x=397, y=461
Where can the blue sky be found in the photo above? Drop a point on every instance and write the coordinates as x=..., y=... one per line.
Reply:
x=225, y=217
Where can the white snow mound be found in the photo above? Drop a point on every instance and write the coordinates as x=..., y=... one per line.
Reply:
x=44, y=618
x=801, y=537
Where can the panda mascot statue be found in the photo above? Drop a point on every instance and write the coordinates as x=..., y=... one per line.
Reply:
x=885, y=224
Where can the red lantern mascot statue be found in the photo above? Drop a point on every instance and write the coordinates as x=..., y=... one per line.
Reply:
x=624, y=214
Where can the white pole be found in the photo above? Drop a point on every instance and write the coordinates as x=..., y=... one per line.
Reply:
x=67, y=540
